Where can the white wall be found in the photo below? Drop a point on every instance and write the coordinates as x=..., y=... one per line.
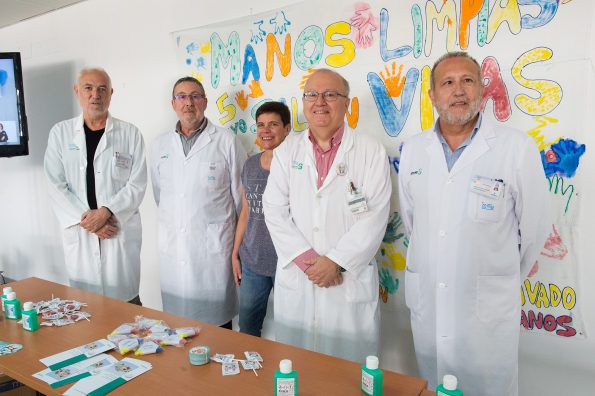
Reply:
x=132, y=41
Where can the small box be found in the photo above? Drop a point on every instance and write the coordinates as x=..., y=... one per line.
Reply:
x=10, y=387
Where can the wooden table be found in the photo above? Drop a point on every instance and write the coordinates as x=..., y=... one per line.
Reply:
x=172, y=372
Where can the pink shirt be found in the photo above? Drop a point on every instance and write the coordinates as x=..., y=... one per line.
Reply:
x=324, y=160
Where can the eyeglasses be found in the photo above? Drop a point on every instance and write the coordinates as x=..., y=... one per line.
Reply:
x=195, y=97
x=328, y=96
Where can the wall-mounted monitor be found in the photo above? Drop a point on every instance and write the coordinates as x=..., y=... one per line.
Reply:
x=14, y=138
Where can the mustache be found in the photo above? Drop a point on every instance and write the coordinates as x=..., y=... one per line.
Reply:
x=464, y=100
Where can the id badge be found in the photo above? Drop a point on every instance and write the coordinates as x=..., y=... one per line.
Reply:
x=357, y=202
x=492, y=188
x=123, y=160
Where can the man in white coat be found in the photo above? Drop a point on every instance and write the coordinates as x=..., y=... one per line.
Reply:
x=195, y=170
x=326, y=206
x=96, y=173
x=473, y=196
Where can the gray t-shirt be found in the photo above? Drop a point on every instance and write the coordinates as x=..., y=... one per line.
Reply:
x=257, y=250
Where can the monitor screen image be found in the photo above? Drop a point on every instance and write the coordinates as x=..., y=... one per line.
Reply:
x=13, y=120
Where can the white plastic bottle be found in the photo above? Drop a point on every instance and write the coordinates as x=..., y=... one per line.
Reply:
x=448, y=387
x=5, y=292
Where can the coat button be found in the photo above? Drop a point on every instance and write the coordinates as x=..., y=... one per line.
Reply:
x=442, y=233
x=315, y=229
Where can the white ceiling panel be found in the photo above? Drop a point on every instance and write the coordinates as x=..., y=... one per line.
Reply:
x=15, y=11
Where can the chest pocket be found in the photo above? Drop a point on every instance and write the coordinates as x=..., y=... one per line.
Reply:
x=482, y=208
x=121, y=166
x=214, y=175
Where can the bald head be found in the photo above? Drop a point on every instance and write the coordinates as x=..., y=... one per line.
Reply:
x=332, y=73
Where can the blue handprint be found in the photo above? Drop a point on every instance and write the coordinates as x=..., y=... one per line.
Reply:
x=280, y=25
x=562, y=158
x=191, y=47
x=259, y=36
x=392, y=229
x=387, y=282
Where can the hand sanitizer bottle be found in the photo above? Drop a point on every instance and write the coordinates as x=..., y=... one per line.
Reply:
x=448, y=387
x=371, y=377
x=12, y=306
x=5, y=292
x=286, y=380
x=30, y=321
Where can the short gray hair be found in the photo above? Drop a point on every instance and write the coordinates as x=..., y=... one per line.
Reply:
x=343, y=80
x=87, y=70
x=454, y=54
x=187, y=79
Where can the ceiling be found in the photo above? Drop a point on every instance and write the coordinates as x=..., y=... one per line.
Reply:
x=15, y=11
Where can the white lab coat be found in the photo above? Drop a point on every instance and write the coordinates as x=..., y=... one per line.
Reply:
x=342, y=320
x=199, y=200
x=467, y=253
x=110, y=267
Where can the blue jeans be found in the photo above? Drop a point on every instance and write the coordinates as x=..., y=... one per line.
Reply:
x=254, y=297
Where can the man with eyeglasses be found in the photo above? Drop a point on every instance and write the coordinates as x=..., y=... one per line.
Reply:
x=97, y=176
x=326, y=206
x=195, y=170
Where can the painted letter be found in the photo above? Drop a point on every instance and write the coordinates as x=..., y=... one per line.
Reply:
x=568, y=298
x=303, y=60
x=417, y=30
x=469, y=9
x=546, y=14
x=385, y=53
x=296, y=124
x=228, y=55
x=509, y=14
x=230, y=109
x=346, y=56
x=555, y=295
x=447, y=13
x=482, y=24
x=425, y=104
x=393, y=118
x=284, y=59
x=550, y=93
x=250, y=65
x=495, y=89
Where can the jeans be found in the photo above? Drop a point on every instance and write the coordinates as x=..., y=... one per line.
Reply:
x=254, y=297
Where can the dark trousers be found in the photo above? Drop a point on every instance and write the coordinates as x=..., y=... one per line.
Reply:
x=136, y=301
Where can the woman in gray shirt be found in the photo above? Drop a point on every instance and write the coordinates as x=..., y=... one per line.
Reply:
x=253, y=258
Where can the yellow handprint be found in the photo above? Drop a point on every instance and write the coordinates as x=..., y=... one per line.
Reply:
x=255, y=90
x=205, y=48
x=256, y=142
x=396, y=258
x=242, y=99
x=394, y=82
x=305, y=77
x=198, y=76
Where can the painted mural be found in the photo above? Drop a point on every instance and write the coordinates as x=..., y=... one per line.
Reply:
x=533, y=81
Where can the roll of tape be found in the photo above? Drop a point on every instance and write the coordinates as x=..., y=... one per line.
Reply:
x=199, y=355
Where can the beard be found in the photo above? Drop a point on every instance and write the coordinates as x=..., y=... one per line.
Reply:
x=452, y=118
